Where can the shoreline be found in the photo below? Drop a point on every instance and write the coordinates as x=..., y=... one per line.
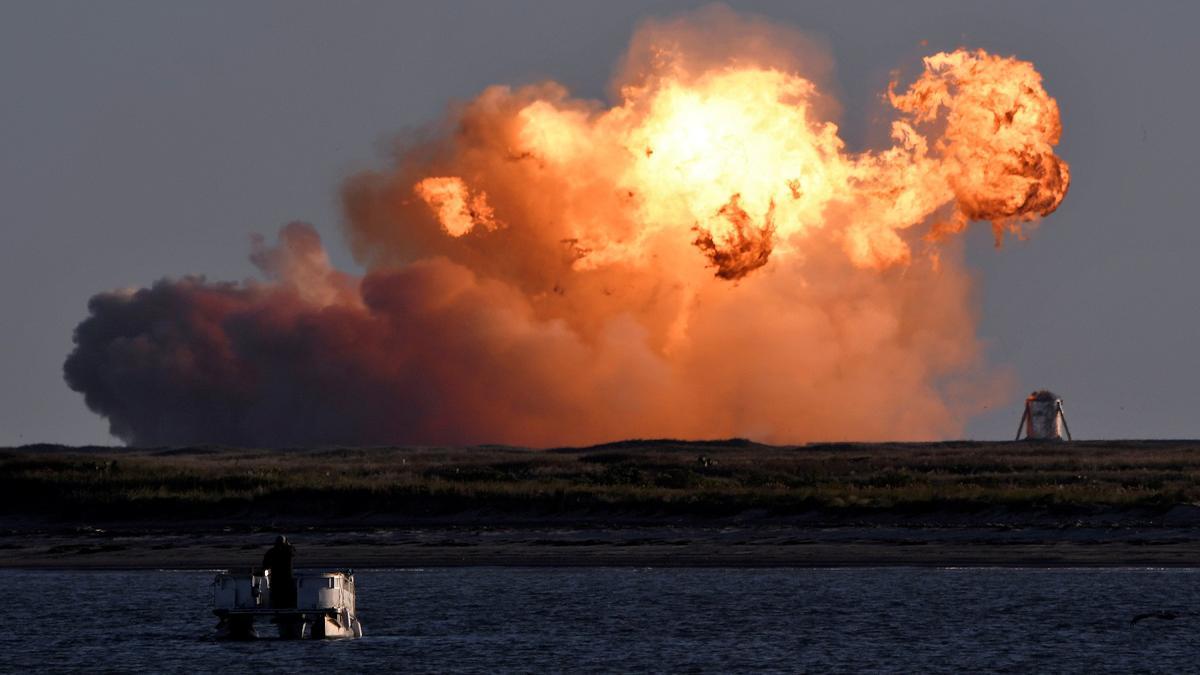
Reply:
x=674, y=546
x=637, y=503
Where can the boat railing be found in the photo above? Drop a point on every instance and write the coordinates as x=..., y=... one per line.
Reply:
x=251, y=592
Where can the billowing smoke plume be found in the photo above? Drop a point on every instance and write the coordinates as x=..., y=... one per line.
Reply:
x=702, y=258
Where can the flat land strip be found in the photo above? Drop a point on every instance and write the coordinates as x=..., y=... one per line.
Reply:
x=722, y=503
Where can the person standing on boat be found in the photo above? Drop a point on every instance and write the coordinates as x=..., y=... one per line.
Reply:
x=278, y=561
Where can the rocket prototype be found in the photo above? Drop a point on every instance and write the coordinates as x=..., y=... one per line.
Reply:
x=1043, y=419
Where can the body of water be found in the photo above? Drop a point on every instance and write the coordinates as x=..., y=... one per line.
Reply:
x=489, y=620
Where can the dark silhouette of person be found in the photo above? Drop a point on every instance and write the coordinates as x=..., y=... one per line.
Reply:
x=278, y=561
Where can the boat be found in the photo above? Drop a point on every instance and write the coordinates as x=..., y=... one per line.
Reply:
x=324, y=606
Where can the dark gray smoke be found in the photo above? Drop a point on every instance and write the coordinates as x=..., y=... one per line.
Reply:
x=424, y=354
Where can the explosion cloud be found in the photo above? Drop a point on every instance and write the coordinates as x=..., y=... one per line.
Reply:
x=701, y=258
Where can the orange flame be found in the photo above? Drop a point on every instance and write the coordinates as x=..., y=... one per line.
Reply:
x=458, y=211
x=1000, y=131
x=737, y=155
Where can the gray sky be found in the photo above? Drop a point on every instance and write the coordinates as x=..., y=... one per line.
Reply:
x=149, y=139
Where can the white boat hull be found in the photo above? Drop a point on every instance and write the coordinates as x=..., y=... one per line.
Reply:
x=325, y=604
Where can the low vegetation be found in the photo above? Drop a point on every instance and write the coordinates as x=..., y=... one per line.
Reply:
x=634, y=478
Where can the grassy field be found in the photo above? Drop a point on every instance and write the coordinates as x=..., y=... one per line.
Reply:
x=645, y=478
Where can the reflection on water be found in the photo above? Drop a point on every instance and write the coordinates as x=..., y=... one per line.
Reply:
x=620, y=619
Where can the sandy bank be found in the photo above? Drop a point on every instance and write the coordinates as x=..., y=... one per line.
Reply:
x=730, y=546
